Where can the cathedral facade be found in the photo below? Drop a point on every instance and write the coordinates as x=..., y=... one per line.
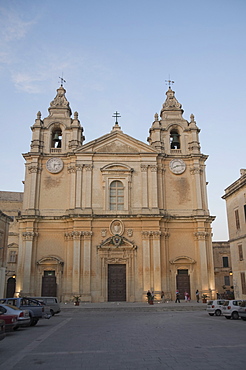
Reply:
x=110, y=219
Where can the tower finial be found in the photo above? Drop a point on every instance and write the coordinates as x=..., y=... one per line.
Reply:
x=169, y=82
x=62, y=80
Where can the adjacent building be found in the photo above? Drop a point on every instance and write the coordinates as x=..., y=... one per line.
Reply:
x=235, y=197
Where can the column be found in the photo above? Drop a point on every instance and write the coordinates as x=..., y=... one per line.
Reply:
x=86, y=282
x=146, y=261
x=203, y=265
x=88, y=188
x=76, y=262
x=33, y=170
x=196, y=172
x=154, y=189
x=156, y=261
x=72, y=172
x=27, y=265
x=145, y=200
x=78, y=193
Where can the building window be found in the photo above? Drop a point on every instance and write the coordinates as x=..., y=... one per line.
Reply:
x=245, y=212
x=116, y=196
x=243, y=283
x=225, y=262
x=240, y=252
x=12, y=256
x=227, y=280
x=237, y=219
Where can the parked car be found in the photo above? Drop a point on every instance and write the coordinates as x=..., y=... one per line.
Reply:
x=230, y=309
x=242, y=311
x=35, y=308
x=214, y=307
x=2, y=329
x=52, y=302
x=10, y=320
x=23, y=315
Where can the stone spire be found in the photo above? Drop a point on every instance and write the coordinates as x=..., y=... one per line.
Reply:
x=60, y=105
x=171, y=107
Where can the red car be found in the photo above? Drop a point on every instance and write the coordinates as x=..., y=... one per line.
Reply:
x=10, y=320
x=2, y=329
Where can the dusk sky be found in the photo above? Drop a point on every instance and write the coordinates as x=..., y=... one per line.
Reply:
x=116, y=55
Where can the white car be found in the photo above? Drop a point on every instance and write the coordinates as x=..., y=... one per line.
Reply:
x=214, y=307
x=230, y=309
x=23, y=318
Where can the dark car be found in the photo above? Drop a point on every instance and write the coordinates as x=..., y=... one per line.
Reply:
x=10, y=320
x=2, y=329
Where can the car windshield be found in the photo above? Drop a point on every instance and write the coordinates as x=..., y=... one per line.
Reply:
x=210, y=302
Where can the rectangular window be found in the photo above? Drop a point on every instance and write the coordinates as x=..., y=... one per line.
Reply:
x=227, y=280
x=243, y=282
x=240, y=252
x=245, y=212
x=237, y=219
x=12, y=256
x=225, y=262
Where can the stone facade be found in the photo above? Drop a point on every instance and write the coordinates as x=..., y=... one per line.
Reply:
x=5, y=220
x=222, y=268
x=114, y=217
x=235, y=196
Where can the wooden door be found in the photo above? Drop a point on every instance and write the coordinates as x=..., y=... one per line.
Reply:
x=116, y=283
x=10, y=287
x=49, y=287
x=183, y=282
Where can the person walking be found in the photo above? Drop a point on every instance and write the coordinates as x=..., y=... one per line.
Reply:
x=177, y=297
x=197, y=296
x=162, y=297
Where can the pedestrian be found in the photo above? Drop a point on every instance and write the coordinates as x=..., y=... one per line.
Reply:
x=177, y=297
x=197, y=296
x=186, y=297
x=162, y=297
x=149, y=296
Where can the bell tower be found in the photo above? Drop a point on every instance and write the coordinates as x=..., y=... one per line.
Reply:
x=57, y=133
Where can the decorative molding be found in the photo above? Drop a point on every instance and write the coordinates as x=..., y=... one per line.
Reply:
x=34, y=169
x=71, y=169
x=201, y=235
x=144, y=168
x=196, y=170
x=116, y=227
x=155, y=234
x=180, y=259
x=28, y=236
x=129, y=232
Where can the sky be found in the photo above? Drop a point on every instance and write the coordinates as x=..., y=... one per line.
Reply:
x=116, y=56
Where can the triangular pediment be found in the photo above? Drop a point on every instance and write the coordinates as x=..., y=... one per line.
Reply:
x=116, y=142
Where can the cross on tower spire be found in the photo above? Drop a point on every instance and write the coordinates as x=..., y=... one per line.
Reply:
x=116, y=115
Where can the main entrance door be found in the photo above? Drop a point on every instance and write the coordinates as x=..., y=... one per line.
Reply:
x=116, y=283
x=49, y=284
x=183, y=282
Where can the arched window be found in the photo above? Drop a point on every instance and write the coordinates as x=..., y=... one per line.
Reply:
x=116, y=196
x=56, y=138
x=174, y=139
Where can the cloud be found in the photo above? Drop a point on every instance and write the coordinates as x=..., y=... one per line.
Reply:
x=13, y=27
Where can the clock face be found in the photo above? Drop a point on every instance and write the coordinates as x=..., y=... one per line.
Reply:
x=177, y=166
x=54, y=165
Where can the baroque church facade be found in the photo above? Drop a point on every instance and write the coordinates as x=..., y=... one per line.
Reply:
x=110, y=219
